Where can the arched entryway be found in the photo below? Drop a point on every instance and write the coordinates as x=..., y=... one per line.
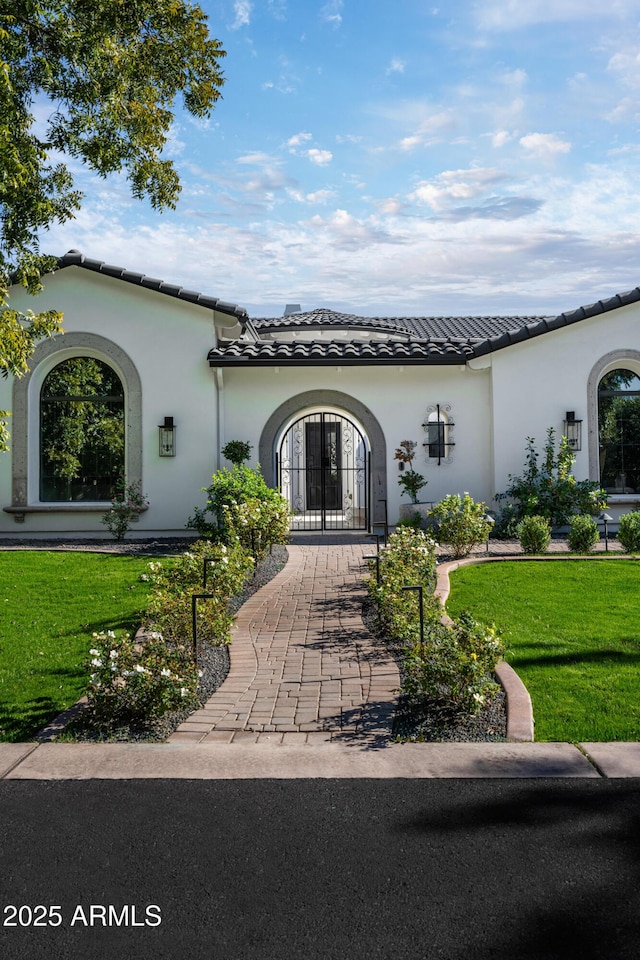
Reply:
x=323, y=469
x=327, y=453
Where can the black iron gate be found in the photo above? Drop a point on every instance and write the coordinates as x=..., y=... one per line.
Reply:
x=322, y=466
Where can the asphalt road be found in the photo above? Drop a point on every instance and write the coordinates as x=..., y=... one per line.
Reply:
x=344, y=869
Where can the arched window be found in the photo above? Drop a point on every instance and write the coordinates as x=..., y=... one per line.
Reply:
x=82, y=434
x=619, y=431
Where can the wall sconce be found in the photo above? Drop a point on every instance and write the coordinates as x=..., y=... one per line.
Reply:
x=167, y=438
x=573, y=430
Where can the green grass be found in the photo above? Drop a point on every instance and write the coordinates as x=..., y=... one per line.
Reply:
x=50, y=605
x=572, y=633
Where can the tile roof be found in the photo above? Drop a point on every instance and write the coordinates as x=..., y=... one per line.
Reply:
x=424, y=328
x=317, y=352
x=76, y=259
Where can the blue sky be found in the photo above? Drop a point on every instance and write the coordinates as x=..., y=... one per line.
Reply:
x=391, y=157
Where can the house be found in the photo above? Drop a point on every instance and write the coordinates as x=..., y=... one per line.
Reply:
x=152, y=380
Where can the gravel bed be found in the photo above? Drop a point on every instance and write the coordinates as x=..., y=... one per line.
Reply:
x=420, y=719
x=214, y=662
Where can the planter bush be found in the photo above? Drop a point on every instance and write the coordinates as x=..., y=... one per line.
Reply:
x=461, y=522
x=454, y=665
x=583, y=534
x=629, y=531
x=133, y=683
x=170, y=610
x=534, y=534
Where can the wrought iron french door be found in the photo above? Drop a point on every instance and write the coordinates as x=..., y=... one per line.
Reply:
x=323, y=472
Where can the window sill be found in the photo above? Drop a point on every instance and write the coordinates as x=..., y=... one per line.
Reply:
x=19, y=512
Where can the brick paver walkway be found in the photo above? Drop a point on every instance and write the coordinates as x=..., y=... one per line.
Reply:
x=303, y=666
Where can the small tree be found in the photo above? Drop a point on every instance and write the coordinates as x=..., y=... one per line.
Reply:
x=549, y=489
x=237, y=451
x=410, y=481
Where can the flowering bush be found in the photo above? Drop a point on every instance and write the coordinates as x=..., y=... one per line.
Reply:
x=228, y=489
x=135, y=682
x=534, y=534
x=408, y=560
x=127, y=504
x=170, y=607
x=461, y=523
x=455, y=664
x=256, y=524
x=583, y=534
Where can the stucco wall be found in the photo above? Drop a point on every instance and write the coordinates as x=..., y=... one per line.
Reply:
x=167, y=341
x=398, y=398
x=536, y=382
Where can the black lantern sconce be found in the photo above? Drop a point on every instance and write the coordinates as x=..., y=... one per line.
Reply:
x=167, y=438
x=573, y=430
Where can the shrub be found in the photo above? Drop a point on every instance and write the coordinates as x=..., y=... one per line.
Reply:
x=629, y=531
x=256, y=524
x=125, y=507
x=583, y=534
x=170, y=607
x=461, y=523
x=135, y=682
x=237, y=486
x=408, y=560
x=549, y=489
x=454, y=665
x=534, y=534
x=415, y=521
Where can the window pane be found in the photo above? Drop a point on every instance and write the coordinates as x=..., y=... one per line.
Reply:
x=619, y=431
x=436, y=439
x=81, y=431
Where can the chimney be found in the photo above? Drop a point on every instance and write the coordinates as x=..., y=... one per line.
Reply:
x=292, y=308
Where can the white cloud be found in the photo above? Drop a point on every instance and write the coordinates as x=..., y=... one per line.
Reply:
x=278, y=9
x=332, y=13
x=396, y=66
x=544, y=146
x=515, y=14
x=298, y=139
x=625, y=64
x=319, y=157
x=454, y=186
x=242, y=10
x=499, y=138
x=431, y=129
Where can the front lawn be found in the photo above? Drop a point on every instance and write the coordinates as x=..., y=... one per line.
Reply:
x=50, y=605
x=572, y=632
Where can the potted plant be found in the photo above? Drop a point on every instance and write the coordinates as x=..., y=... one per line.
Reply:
x=409, y=480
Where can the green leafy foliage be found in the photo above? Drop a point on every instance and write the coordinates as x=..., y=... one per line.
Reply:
x=461, y=523
x=410, y=481
x=125, y=508
x=408, y=560
x=549, y=489
x=455, y=664
x=170, y=606
x=112, y=73
x=534, y=534
x=583, y=534
x=263, y=521
x=237, y=451
x=629, y=531
x=134, y=682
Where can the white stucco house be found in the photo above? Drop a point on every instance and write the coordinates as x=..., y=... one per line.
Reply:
x=324, y=398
